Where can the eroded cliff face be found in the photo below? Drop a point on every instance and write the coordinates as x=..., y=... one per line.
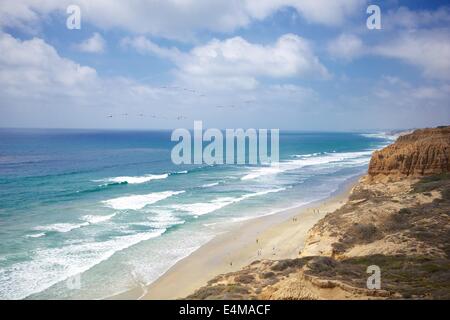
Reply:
x=423, y=152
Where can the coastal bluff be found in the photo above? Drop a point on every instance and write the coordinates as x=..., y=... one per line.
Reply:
x=396, y=218
x=422, y=152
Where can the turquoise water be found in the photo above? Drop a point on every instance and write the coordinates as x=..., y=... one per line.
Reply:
x=110, y=209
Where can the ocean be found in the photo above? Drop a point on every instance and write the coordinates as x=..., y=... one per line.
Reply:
x=90, y=214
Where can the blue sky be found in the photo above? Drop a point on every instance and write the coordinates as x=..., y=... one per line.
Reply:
x=289, y=64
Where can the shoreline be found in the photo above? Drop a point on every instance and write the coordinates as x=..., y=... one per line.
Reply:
x=277, y=236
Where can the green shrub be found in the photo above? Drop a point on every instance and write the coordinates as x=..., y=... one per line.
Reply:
x=363, y=233
x=266, y=275
x=244, y=278
x=404, y=211
x=427, y=184
x=446, y=194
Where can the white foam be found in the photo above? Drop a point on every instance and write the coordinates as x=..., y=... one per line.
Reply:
x=208, y=185
x=241, y=219
x=264, y=171
x=163, y=220
x=35, y=235
x=307, y=155
x=211, y=224
x=61, y=227
x=381, y=135
x=137, y=180
x=66, y=227
x=50, y=266
x=202, y=208
x=160, y=217
x=137, y=202
x=97, y=218
x=307, y=160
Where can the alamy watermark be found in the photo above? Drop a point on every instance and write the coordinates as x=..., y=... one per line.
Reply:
x=374, y=280
x=73, y=21
x=373, y=22
x=231, y=146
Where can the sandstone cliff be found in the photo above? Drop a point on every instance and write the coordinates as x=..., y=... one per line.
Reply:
x=423, y=152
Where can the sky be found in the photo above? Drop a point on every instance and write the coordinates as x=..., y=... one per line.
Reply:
x=287, y=64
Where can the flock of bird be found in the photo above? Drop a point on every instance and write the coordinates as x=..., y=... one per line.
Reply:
x=143, y=115
x=180, y=117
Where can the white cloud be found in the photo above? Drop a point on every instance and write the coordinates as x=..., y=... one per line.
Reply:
x=235, y=62
x=399, y=94
x=33, y=67
x=419, y=39
x=36, y=83
x=405, y=18
x=346, y=47
x=95, y=44
x=32, y=73
x=289, y=56
x=236, y=58
x=330, y=13
x=179, y=19
x=427, y=49
x=38, y=87
x=429, y=93
x=145, y=46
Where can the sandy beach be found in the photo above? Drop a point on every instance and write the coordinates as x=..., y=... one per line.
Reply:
x=277, y=236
